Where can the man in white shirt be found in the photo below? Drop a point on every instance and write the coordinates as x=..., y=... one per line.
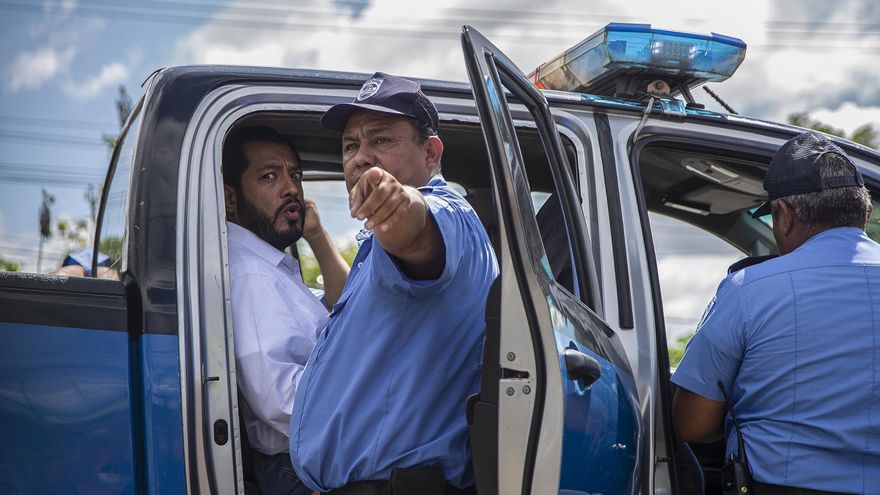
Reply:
x=276, y=319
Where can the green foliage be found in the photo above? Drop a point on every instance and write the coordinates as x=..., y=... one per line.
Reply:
x=676, y=352
x=865, y=135
x=349, y=252
x=308, y=265
x=112, y=247
x=9, y=265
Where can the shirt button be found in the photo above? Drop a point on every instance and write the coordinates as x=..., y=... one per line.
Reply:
x=360, y=265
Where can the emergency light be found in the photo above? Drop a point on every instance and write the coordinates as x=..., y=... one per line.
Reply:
x=622, y=59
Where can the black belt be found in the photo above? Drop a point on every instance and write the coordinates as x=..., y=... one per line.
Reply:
x=765, y=489
x=413, y=481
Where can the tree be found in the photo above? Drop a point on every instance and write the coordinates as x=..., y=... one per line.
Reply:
x=92, y=196
x=75, y=233
x=865, y=134
x=45, y=224
x=123, y=110
x=9, y=265
x=676, y=352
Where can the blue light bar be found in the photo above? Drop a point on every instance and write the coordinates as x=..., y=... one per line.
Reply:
x=622, y=49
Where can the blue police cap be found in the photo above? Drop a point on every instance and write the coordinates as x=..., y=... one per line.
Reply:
x=794, y=169
x=386, y=94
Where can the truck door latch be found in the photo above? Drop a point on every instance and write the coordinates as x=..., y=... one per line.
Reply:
x=221, y=432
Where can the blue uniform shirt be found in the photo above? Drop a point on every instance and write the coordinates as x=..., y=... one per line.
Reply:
x=796, y=342
x=387, y=382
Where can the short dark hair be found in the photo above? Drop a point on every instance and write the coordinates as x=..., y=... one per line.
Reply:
x=832, y=207
x=423, y=131
x=234, y=160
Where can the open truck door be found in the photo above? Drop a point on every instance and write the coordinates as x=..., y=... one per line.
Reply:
x=557, y=409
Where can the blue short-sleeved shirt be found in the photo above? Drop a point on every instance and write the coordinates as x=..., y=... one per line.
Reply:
x=796, y=342
x=387, y=382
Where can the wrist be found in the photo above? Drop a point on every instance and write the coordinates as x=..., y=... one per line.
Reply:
x=315, y=236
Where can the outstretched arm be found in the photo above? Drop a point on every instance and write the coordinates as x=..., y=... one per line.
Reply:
x=333, y=267
x=401, y=221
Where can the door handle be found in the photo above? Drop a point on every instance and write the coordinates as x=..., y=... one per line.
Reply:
x=582, y=367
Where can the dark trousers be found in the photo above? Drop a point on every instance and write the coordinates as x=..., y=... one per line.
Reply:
x=275, y=475
x=765, y=489
x=410, y=481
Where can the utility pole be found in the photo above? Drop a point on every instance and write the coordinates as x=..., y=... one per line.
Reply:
x=91, y=196
x=45, y=225
x=123, y=106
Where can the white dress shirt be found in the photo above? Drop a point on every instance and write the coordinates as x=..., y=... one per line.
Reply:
x=276, y=321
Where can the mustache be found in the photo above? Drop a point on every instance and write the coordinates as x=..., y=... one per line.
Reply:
x=298, y=204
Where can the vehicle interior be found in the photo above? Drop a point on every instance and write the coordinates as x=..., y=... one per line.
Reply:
x=710, y=192
x=705, y=188
x=713, y=192
x=465, y=165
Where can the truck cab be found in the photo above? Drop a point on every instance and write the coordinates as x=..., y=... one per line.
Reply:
x=125, y=382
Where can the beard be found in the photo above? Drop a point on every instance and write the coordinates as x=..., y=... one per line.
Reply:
x=261, y=224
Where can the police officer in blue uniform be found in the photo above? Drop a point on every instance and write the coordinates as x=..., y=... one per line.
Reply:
x=795, y=340
x=380, y=408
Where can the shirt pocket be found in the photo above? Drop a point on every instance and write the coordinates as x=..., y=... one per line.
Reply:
x=328, y=338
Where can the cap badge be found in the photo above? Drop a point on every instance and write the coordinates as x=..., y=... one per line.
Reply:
x=369, y=88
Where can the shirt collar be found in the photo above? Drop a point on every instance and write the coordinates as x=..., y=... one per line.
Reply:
x=834, y=232
x=437, y=180
x=247, y=239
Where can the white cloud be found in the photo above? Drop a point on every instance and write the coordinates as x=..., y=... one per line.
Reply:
x=687, y=284
x=789, y=66
x=67, y=6
x=267, y=55
x=110, y=75
x=848, y=117
x=59, y=6
x=31, y=69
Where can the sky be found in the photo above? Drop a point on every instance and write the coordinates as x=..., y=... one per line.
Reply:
x=62, y=62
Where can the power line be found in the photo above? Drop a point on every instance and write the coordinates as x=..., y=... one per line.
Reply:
x=53, y=181
x=467, y=14
x=20, y=167
x=442, y=14
x=393, y=31
x=144, y=12
x=51, y=138
x=22, y=121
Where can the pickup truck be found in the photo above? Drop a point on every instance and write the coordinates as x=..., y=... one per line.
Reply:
x=126, y=383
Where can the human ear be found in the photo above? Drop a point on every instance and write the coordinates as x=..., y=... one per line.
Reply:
x=433, y=150
x=230, y=199
x=785, y=217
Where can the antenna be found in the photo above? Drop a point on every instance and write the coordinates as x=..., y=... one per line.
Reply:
x=736, y=477
x=723, y=104
x=740, y=445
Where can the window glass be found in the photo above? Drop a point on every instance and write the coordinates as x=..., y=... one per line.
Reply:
x=545, y=196
x=113, y=231
x=691, y=262
x=331, y=199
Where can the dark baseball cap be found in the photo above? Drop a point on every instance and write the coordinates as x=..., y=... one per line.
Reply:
x=388, y=94
x=794, y=169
